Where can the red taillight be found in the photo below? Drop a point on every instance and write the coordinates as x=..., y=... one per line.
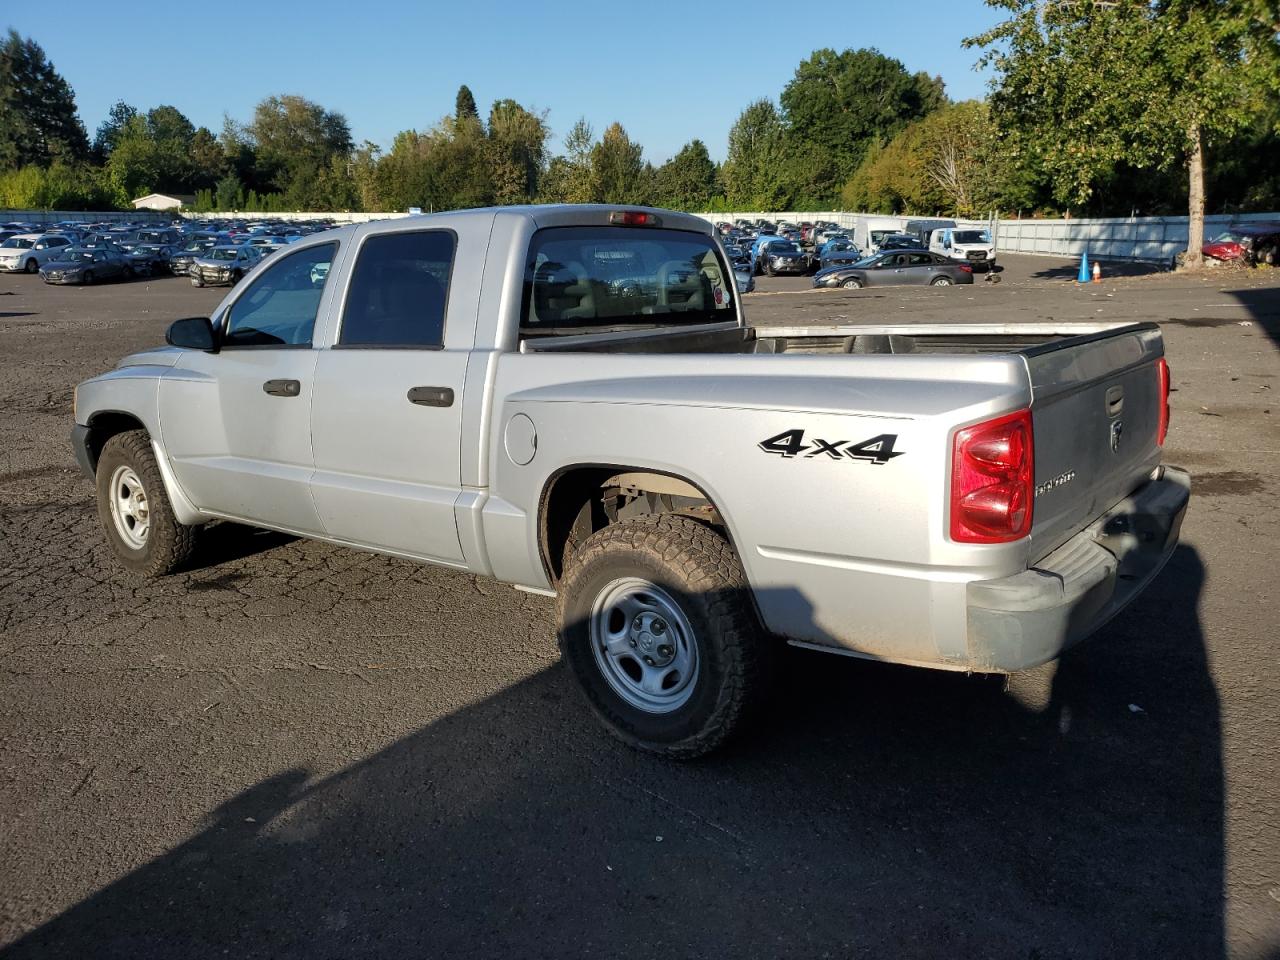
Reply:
x=992, y=471
x=965, y=267
x=634, y=218
x=1162, y=381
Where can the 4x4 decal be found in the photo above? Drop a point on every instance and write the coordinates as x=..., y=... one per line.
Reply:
x=790, y=443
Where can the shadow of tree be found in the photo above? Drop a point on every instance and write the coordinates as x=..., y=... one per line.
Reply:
x=876, y=810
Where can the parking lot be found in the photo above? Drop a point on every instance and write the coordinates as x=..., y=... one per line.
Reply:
x=292, y=750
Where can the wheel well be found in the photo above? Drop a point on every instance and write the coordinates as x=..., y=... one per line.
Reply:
x=103, y=426
x=579, y=501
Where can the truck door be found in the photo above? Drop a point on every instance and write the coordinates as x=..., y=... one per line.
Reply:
x=386, y=420
x=237, y=423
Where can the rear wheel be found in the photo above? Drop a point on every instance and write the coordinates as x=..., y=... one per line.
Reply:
x=941, y=282
x=658, y=628
x=853, y=283
x=134, y=509
x=88, y=278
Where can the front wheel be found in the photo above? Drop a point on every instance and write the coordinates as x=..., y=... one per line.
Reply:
x=658, y=628
x=88, y=278
x=134, y=508
x=853, y=283
x=32, y=266
x=941, y=282
x=197, y=282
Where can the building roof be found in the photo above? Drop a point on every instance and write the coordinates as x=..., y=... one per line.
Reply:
x=183, y=198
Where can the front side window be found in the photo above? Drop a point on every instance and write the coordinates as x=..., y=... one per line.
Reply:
x=399, y=290
x=606, y=278
x=279, y=308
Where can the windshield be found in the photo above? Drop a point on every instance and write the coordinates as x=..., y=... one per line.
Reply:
x=219, y=253
x=605, y=278
x=971, y=236
x=776, y=248
x=1227, y=236
x=17, y=243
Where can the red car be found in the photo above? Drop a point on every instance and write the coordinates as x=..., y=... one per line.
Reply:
x=1251, y=242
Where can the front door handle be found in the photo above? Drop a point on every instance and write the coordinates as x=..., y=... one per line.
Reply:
x=431, y=396
x=282, y=388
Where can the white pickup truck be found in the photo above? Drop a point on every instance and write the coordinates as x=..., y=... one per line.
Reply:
x=570, y=399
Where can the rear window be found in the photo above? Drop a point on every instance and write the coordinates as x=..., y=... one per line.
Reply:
x=622, y=278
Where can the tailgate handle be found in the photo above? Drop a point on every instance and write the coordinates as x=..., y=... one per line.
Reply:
x=431, y=396
x=1115, y=401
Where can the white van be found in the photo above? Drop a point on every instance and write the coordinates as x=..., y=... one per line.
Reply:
x=971, y=245
x=869, y=231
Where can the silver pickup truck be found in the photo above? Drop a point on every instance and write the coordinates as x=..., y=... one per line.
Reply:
x=570, y=399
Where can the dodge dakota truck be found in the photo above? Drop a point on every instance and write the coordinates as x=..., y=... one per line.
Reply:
x=570, y=399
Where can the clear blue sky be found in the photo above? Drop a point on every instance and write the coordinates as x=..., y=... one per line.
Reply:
x=668, y=71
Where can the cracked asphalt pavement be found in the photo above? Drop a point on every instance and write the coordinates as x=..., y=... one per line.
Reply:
x=295, y=750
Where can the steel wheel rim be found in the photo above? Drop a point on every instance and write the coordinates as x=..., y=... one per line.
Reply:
x=130, y=511
x=644, y=645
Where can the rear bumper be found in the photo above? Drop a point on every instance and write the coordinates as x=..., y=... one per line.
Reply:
x=1034, y=616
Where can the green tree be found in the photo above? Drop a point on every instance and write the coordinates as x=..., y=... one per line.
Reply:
x=229, y=193
x=844, y=102
x=618, y=168
x=1086, y=87
x=568, y=177
x=294, y=141
x=38, y=119
x=208, y=161
x=688, y=180
x=517, y=151
x=464, y=105
x=753, y=168
x=104, y=141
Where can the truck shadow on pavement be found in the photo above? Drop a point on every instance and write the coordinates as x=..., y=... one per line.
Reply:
x=874, y=811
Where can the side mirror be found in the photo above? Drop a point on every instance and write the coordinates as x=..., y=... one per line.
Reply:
x=192, y=333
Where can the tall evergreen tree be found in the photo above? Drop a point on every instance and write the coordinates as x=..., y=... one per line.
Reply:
x=464, y=105
x=38, y=120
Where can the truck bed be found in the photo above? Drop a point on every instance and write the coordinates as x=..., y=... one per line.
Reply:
x=857, y=339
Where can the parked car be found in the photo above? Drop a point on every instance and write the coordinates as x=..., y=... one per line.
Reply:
x=148, y=259
x=895, y=268
x=85, y=265
x=28, y=252
x=839, y=250
x=782, y=257
x=225, y=264
x=1251, y=242
x=181, y=261
x=975, y=503
x=899, y=241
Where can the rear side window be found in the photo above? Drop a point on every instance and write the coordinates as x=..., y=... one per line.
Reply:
x=399, y=291
x=622, y=277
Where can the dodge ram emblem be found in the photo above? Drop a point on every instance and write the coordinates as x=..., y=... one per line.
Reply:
x=1117, y=429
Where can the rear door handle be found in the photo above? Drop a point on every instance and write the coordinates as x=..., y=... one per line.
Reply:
x=431, y=396
x=282, y=388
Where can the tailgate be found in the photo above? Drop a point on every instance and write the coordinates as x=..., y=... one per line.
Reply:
x=1095, y=412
